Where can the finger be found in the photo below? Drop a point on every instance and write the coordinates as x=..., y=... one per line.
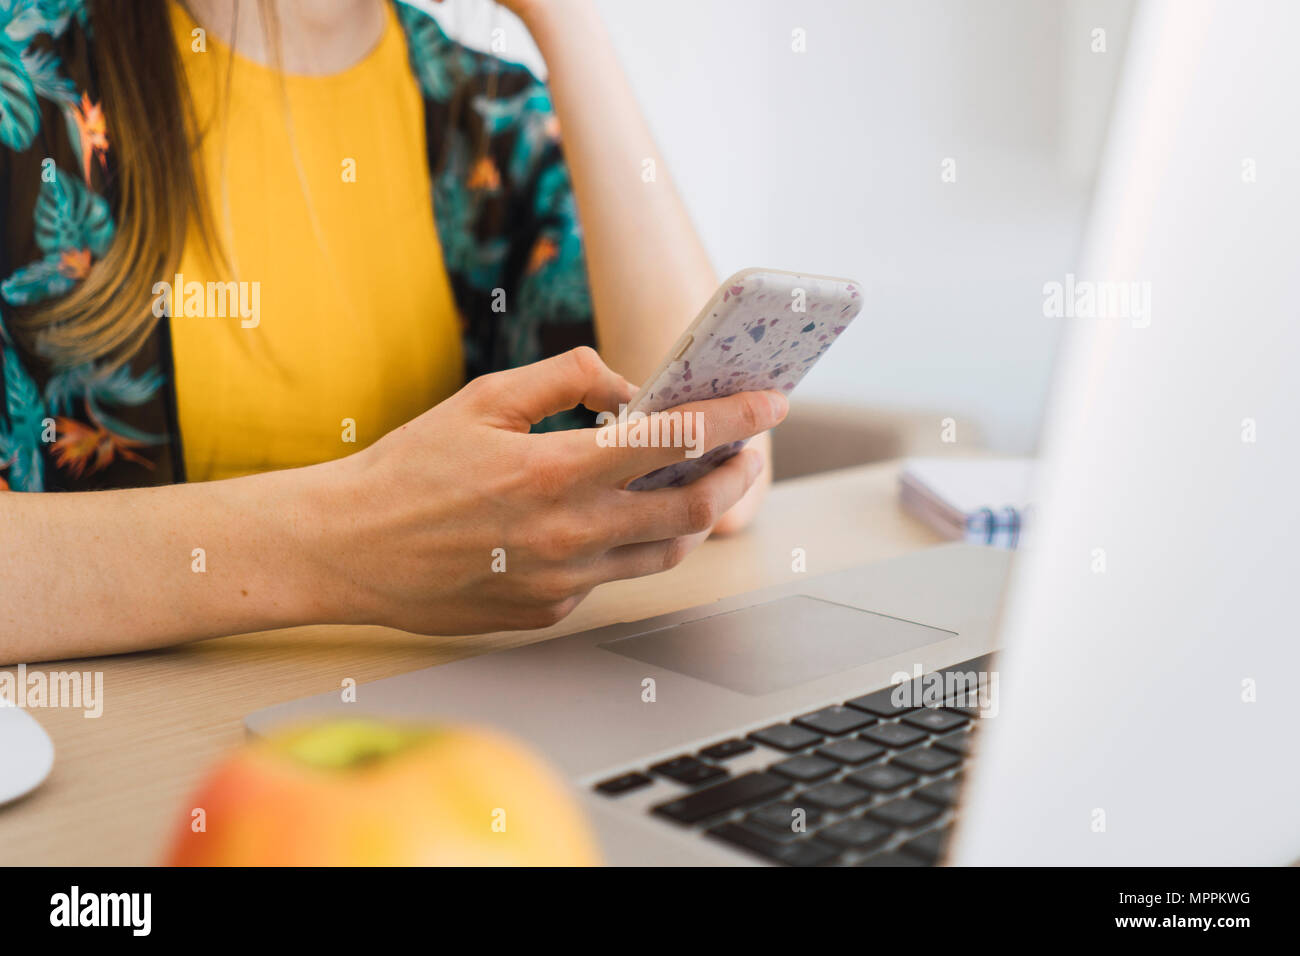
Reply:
x=740, y=514
x=692, y=509
x=521, y=397
x=649, y=557
x=627, y=450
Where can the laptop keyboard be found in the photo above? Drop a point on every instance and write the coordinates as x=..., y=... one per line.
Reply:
x=864, y=782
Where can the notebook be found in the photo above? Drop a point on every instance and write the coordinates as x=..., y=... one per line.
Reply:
x=979, y=500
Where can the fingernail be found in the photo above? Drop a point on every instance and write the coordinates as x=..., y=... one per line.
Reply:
x=780, y=405
x=753, y=463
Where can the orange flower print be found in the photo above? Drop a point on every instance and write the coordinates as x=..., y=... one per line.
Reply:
x=83, y=448
x=74, y=263
x=484, y=175
x=94, y=133
x=544, y=250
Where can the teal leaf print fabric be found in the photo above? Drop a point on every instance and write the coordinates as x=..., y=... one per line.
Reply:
x=42, y=68
x=437, y=60
x=120, y=387
x=24, y=19
x=19, y=115
x=502, y=204
x=71, y=224
x=20, y=437
x=69, y=216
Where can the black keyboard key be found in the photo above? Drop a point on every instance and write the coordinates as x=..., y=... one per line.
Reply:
x=851, y=751
x=944, y=793
x=834, y=796
x=894, y=736
x=921, y=689
x=892, y=859
x=962, y=681
x=970, y=670
x=935, y=721
x=857, y=834
x=929, y=846
x=805, y=768
x=774, y=834
x=904, y=812
x=926, y=760
x=734, y=793
x=727, y=749
x=785, y=818
x=688, y=770
x=806, y=852
x=834, y=721
x=880, y=703
x=623, y=784
x=885, y=778
x=958, y=743
x=786, y=737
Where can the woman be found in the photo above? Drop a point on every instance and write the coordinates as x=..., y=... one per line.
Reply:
x=232, y=317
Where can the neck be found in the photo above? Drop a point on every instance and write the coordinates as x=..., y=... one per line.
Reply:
x=314, y=37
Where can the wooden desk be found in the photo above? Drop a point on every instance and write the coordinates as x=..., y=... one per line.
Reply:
x=121, y=781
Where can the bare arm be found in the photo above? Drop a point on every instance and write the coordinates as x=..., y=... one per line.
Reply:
x=648, y=269
x=458, y=522
x=102, y=572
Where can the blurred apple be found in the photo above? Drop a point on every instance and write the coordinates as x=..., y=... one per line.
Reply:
x=368, y=793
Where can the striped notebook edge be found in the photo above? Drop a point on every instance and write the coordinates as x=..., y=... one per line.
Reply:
x=959, y=498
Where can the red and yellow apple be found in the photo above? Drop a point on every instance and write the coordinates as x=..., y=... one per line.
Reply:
x=362, y=792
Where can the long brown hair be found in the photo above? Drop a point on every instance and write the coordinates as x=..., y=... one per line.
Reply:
x=158, y=190
x=158, y=184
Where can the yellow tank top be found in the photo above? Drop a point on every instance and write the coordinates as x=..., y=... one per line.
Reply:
x=341, y=324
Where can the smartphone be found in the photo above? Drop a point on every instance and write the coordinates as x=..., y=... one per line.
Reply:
x=762, y=329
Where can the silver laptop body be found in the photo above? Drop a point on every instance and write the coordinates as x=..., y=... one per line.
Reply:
x=582, y=700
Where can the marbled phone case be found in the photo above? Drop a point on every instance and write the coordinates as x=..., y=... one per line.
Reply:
x=763, y=329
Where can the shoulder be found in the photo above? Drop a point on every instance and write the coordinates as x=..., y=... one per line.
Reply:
x=494, y=94
x=444, y=66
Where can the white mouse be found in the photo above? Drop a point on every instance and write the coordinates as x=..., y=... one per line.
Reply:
x=26, y=752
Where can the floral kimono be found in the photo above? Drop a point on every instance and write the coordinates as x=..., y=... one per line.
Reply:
x=502, y=200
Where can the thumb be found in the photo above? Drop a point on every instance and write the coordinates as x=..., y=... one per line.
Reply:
x=522, y=397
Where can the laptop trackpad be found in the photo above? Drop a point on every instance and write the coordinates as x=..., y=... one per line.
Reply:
x=777, y=645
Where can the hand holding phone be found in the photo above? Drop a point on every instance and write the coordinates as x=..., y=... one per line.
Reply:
x=763, y=329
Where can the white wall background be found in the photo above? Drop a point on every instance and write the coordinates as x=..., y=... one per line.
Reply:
x=829, y=161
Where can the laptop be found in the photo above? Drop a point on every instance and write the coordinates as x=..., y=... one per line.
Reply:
x=1139, y=709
